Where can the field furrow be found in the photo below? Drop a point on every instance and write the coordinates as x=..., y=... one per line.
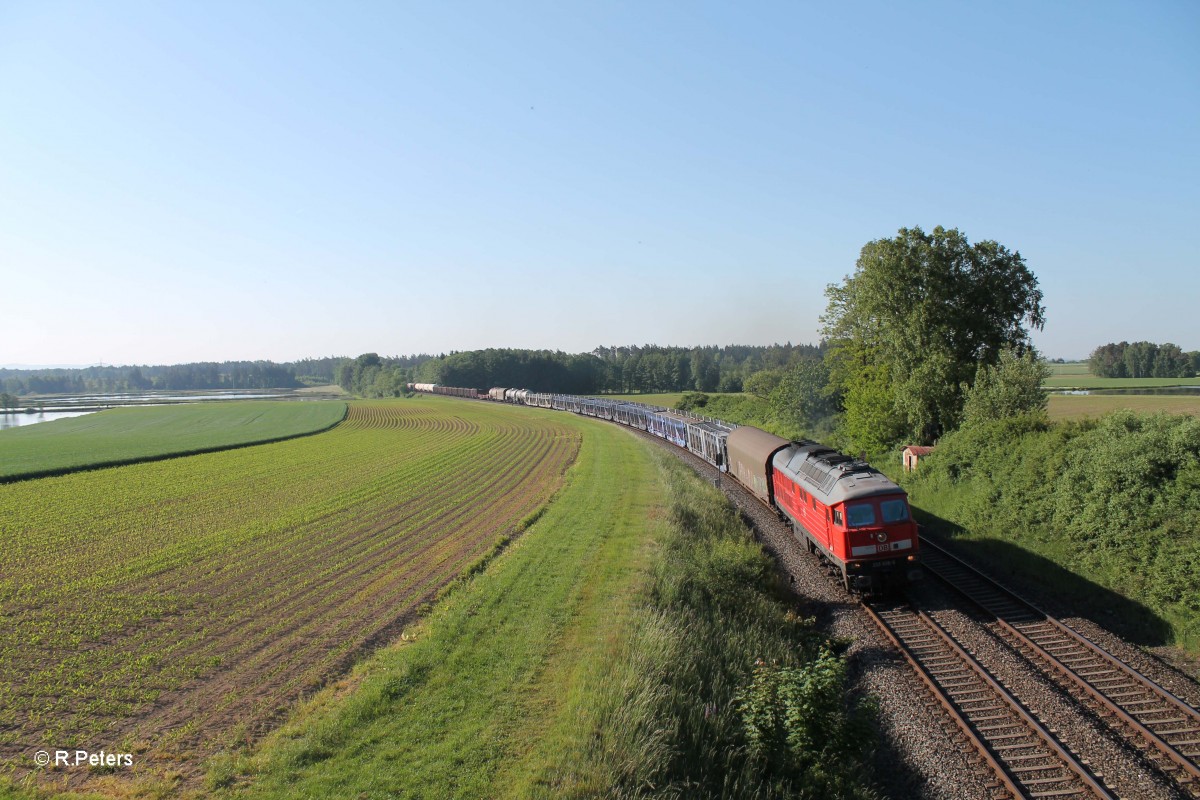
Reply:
x=186, y=604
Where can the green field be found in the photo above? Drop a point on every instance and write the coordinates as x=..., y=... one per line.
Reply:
x=174, y=607
x=1075, y=375
x=126, y=435
x=1070, y=406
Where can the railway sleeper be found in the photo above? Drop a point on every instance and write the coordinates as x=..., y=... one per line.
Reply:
x=947, y=675
x=1032, y=768
x=1171, y=721
x=1045, y=781
x=943, y=660
x=1096, y=673
x=1151, y=702
x=1059, y=793
x=1113, y=683
x=1080, y=661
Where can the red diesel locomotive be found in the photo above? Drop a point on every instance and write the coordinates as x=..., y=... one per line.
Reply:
x=843, y=509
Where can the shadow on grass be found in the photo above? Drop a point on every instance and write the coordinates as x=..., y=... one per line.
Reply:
x=1046, y=583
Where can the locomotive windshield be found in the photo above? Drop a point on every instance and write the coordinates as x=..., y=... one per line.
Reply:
x=894, y=510
x=859, y=515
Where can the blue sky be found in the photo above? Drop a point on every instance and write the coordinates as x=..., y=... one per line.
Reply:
x=211, y=181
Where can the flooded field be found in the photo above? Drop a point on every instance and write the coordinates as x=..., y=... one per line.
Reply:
x=32, y=409
x=17, y=419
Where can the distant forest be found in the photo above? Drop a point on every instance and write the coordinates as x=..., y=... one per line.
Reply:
x=176, y=377
x=604, y=370
x=1143, y=360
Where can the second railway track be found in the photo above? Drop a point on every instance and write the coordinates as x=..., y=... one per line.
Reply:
x=1144, y=710
x=1029, y=762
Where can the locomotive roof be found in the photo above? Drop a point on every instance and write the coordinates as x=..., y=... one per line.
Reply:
x=832, y=476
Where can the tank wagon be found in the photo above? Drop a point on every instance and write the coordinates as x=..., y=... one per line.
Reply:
x=845, y=511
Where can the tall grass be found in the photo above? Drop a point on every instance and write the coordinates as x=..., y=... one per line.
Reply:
x=718, y=689
x=740, y=651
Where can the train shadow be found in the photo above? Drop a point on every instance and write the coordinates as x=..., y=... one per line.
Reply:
x=894, y=772
x=1057, y=590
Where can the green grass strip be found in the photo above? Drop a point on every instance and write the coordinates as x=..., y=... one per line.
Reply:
x=123, y=436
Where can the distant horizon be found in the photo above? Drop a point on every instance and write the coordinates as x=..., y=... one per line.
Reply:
x=36, y=367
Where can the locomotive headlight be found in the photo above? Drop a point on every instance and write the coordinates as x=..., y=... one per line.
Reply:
x=881, y=537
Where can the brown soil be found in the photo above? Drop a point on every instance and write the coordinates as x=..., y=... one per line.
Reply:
x=253, y=637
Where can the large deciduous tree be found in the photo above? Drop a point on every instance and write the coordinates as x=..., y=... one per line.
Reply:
x=908, y=331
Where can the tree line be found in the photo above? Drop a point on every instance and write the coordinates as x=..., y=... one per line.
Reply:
x=610, y=369
x=1143, y=360
x=175, y=377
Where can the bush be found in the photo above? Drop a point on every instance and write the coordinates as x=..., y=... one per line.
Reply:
x=1120, y=497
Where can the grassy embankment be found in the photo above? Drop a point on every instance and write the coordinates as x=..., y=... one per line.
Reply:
x=1104, y=511
x=129, y=435
x=610, y=652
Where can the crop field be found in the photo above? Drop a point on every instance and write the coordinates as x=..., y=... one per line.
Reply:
x=1075, y=375
x=124, y=435
x=171, y=608
x=1072, y=406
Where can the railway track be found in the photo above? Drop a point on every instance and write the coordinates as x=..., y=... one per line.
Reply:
x=1027, y=759
x=1001, y=707
x=1167, y=727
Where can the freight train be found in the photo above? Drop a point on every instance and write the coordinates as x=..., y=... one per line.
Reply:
x=843, y=510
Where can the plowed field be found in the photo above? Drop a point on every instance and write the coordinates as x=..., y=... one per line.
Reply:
x=166, y=609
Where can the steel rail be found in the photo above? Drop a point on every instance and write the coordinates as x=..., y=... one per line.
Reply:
x=1017, y=772
x=1106, y=668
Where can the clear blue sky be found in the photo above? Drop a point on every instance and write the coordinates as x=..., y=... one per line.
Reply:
x=210, y=181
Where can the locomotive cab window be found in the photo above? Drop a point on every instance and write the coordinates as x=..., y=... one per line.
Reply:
x=859, y=515
x=837, y=516
x=894, y=510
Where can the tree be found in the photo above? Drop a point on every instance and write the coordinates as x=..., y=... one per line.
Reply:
x=1009, y=388
x=1141, y=360
x=804, y=392
x=908, y=331
x=763, y=382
